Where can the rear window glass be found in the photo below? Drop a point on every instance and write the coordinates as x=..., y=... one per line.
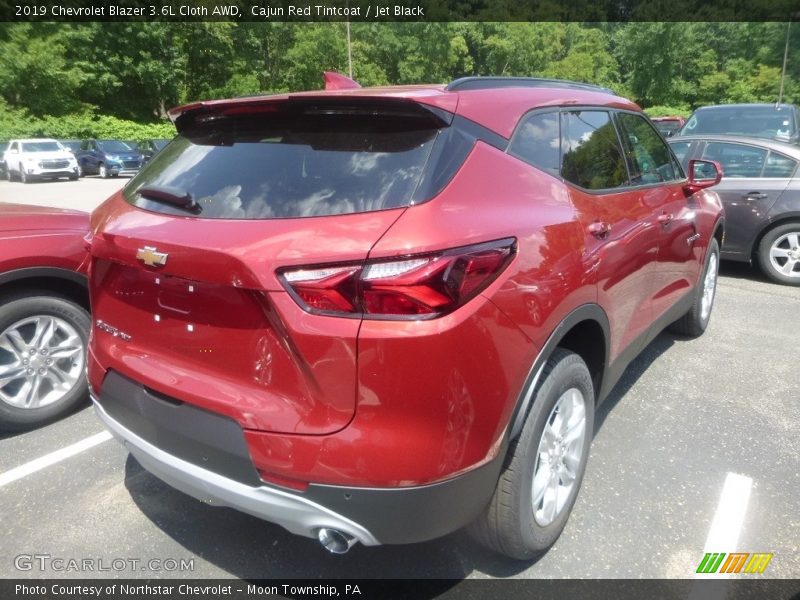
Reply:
x=758, y=121
x=292, y=165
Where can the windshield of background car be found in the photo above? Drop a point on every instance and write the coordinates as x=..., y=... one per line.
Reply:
x=114, y=146
x=292, y=165
x=763, y=122
x=40, y=147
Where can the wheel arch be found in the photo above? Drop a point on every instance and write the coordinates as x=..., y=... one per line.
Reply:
x=61, y=282
x=584, y=331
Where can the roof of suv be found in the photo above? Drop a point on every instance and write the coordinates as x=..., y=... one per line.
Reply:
x=495, y=102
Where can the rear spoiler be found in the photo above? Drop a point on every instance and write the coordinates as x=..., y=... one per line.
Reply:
x=187, y=116
x=337, y=81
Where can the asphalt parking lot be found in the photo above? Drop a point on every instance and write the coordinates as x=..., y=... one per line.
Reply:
x=696, y=451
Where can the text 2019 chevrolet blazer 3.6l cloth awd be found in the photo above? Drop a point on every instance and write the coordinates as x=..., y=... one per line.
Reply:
x=379, y=315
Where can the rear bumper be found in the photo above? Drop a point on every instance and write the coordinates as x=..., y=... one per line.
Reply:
x=290, y=511
x=202, y=455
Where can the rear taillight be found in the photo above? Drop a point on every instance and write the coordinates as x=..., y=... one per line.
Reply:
x=418, y=286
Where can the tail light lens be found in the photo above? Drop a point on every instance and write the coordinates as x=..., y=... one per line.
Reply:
x=418, y=286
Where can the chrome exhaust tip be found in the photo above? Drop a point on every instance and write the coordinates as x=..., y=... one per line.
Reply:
x=336, y=542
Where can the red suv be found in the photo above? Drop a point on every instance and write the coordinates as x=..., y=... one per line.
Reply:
x=379, y=315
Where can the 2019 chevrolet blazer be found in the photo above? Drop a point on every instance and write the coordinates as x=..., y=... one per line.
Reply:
x=379, y=315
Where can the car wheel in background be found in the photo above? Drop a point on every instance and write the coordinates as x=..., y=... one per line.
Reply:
x=103, y=170
x=695, y=321
x=779, y=254
x=545, y=465
x=43, y=350
x=80, y=170
x=23, y=177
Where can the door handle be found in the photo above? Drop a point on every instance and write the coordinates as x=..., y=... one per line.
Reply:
x=599, y=229
x=756, y=195
x=665, y=218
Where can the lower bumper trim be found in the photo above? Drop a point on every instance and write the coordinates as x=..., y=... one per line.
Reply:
x=292, y=512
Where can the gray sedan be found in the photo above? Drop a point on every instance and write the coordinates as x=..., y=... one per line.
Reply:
x=760, y=189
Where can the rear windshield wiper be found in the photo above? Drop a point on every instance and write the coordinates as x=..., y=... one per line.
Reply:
x=170, y=195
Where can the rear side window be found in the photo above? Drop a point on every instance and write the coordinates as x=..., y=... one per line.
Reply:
x=591, y=155
x=649, y=158
x=538, y=141
x=779, y=165
x=292, y=165
x=737, y=160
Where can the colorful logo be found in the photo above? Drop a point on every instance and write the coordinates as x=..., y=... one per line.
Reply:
x=736, y=562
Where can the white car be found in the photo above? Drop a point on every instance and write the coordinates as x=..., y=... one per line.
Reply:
x=39, y=159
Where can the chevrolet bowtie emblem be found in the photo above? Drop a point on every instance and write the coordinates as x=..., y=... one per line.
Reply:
x=151, y=257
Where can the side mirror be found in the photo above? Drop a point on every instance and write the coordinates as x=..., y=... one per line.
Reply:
x=702, y=174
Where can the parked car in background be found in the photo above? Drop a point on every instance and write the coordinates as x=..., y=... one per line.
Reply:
x=72, y=145
x=403, y=325
x=772, y=121
x=760, y=189
x=42, y=158
x=149, y=148
x=108, y=158
x=668, y=126
x=44, y=318
x=3, y=148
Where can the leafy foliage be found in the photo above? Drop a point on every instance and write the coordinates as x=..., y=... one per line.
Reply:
x=57, y=77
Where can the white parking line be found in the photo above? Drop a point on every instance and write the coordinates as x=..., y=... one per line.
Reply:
x=54, y=457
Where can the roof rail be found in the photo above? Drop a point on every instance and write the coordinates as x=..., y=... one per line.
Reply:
x=487, y=83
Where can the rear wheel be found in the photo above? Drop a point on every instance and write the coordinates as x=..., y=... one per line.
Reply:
x=42, y=359
x=779, y=254
x=695, y=321
x=103, y=170
x=545, y=465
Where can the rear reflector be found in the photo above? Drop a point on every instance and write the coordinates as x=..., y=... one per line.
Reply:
x=419, y=286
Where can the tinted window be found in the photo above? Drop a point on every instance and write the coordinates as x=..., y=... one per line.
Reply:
x=41, y=147
x=737, y=160
x=113, y=146
x=754, y=121
x=292, y=165
x=680, y=149
x=537, y=141
x=649, y=158
x=779, y=165
x=591, y=156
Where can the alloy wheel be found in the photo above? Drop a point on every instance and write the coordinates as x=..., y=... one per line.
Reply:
x=559, y=456
x=42, y=359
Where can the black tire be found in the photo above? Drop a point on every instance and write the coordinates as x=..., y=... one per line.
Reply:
x=73, y=177
x=695, y=321
x=9, y=174
x=80, y=170
x=508, y=525
x=102, y=171
x=779, y=235
x=18, y=308
x=23, y=177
